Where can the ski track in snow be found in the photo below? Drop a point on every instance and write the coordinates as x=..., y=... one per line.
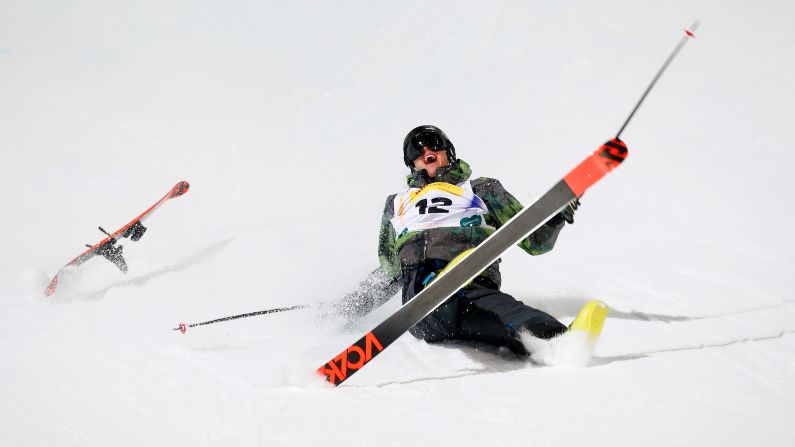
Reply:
x=287, y=118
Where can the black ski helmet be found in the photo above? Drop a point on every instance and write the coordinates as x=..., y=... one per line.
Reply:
x=414, y=139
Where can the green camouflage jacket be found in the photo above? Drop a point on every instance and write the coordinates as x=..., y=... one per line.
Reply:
x=398, y=253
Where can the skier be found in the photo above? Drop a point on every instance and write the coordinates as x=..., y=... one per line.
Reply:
x=440, y=215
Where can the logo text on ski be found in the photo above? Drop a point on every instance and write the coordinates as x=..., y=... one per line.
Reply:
x=351, y=359
x=615, y=150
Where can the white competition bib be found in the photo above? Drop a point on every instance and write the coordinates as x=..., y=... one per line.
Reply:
x=438, y=205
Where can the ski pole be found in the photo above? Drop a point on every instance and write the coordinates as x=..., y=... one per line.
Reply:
x=183, y=327
x=689, y=33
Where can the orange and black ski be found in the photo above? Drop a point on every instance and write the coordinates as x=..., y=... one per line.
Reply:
x=571, y=187
x=107, y=247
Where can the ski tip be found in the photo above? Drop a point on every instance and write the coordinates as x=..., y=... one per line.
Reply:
x=179, y=189
x=338, y=369
x=325, y=373
x=591, y=319
x=597, y=165
x=52, y=286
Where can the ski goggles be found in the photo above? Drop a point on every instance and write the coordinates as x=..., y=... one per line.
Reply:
x=414, y=147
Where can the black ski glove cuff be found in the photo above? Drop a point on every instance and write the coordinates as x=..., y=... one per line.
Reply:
x=567, y=213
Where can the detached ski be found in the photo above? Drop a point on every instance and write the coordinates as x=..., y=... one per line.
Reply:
x=107, y=247
x=471, y=263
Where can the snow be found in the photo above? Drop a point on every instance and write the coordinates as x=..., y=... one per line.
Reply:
x=287, y=120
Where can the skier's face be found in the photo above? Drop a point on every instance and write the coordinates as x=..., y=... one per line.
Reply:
x=431, y=161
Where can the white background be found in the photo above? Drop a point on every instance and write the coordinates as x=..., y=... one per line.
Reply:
x=287, y=118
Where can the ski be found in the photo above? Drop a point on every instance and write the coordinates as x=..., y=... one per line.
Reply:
x=472, y=262
x=107, y=247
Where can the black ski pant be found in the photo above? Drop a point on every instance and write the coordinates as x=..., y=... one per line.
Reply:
x=482, y=314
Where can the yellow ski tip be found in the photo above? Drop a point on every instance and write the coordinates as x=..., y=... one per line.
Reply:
x=591, y=319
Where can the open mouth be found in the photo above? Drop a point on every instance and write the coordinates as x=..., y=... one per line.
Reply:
x=429, y=158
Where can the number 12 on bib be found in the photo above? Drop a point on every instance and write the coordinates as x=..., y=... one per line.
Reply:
x=472, y=262
x=436, y=205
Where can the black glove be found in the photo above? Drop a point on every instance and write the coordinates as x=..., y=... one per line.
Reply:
x=567, y=213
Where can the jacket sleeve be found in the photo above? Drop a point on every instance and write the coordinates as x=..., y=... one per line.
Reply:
x=387, y=245
x=382, y=283
x=372, y=292
x=503, y=206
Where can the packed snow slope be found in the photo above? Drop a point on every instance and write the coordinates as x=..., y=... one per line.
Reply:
x=287, y=118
